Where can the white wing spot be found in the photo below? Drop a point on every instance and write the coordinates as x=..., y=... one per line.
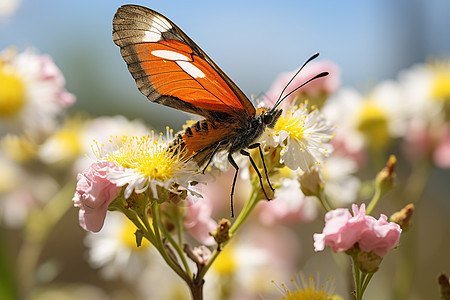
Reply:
x=191, y=69
x=159, y=23
x=150, y=36
x=170, y=55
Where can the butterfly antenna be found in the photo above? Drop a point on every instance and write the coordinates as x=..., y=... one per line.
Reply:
x=280, y=99
x=323, y=74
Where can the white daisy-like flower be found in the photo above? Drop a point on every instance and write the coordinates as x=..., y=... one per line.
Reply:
x=369, y=120
x=305, y=136
x=32, y=94
x=148, y=162
x=427, y=88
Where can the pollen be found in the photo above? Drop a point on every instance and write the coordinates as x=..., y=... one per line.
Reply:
x=12, y=92
x=147, y=155
x=309, y=289
x=294, y=126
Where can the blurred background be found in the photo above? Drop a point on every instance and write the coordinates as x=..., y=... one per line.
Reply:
x=253, y=42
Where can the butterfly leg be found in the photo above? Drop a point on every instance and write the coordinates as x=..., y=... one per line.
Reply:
x=264, y=164
x=211, y=157
x=243, y=152
x=236, y=167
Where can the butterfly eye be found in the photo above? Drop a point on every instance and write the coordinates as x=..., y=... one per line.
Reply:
x=267, y=118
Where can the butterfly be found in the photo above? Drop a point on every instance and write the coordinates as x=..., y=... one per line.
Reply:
x=170, y=69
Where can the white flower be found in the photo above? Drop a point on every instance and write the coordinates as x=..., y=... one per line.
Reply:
x=147, y=163
x=427, y=90
x=32, y=94
x=371, y=120
x=304, y=135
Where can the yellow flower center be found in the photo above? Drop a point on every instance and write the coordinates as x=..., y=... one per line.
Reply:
x=440, y=89
x=12, y=93
x=309, y=293
x=295, y=127
x=309, y=290
x=148, y=156
x=226, y=263
x=373, y=123
x=128, y=237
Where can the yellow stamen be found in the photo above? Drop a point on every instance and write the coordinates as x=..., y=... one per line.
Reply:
x=147, y=156
x=294, y=126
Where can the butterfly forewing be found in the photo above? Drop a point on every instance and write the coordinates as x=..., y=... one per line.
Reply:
x=170, y=69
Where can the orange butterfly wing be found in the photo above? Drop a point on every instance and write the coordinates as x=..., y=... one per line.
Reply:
x=169, y=68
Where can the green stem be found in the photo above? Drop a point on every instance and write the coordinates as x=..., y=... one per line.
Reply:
x=160, y=245
x=323, y=201
x=366, y=281
x=376, y=197
x=175, y=245
x=362, y=280
x=243, y=215
x=357, y=278
x=246, y=210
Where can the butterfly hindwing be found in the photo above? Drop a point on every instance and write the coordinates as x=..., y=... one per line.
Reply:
x=170, y=69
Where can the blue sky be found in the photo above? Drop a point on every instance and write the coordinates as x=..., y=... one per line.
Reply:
x=252, y=41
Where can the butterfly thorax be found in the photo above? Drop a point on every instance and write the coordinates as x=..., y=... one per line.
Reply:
x=253, y=129
x=206, y=137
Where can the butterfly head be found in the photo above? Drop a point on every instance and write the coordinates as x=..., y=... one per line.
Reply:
x=268, y=117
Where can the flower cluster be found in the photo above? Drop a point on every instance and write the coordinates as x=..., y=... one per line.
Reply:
x=143, y=201
x=136, y=164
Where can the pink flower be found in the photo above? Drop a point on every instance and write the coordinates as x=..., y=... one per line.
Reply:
x=93, y=194
x=325, y=85
x=379, y=236
x=198, y=220
x=342, y=231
